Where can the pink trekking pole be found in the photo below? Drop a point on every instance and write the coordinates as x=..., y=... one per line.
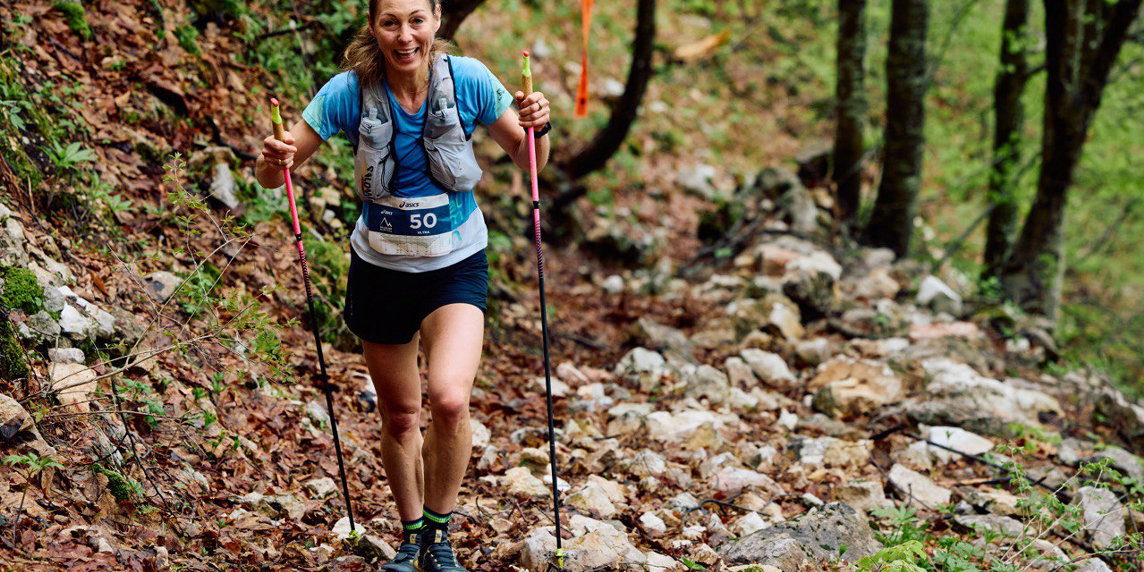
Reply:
x=526, y=80
x=323, y=378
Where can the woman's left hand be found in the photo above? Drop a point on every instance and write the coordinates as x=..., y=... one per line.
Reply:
x=534, y=109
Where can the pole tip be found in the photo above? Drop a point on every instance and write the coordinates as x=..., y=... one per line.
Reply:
x=274, y=101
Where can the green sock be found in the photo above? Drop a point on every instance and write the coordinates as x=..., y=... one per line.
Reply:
x=435, y=521
x=409, y=528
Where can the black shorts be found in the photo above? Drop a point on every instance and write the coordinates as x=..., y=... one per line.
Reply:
x=386, y=306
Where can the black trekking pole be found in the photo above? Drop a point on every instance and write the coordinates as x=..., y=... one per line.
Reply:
x=526, y=80
x=323, y=378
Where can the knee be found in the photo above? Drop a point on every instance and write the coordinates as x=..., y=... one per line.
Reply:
x=401, y=421
x=450, y=408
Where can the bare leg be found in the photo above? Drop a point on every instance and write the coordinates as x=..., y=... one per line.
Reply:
x=398, y=384
x=453, y=336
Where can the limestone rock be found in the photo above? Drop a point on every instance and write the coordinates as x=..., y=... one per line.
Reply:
x=960, y=397
x=1127, y=417
x=770, y=367
x=812, y=282
x=679, y=427
x=520, y=482
x=816, y=535
x=814, y=352
x=642, y=367
x=1003, y=525
x=862, y=495
x=481, y=434
x=918, y=486
x=958, y=439
x=1103, y=515
x=854, y=387
x=13, y=418
x=73, y=384
x=936, y=294
x=705, y=381
x=322, y=487
x=161, y=285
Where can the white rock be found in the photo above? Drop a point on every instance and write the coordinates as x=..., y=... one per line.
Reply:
x=862, y=495
x=1103, y=515
x=958, y=439
x=317, y=413
x=920, y=487
x=770, y=367
x=673, y=428
x=733, y=480
x=66, y=355
x=74, y=323
x=653, y=525
x=663, y=563
x=322, y=487
x=613, y=284
x=936, y=294
x=559, y=388
x=481, y=434
x=738, y=372
x=788, y=420
x=749, y=523
x=814, y=351
x=73, y=384
x=647, y=463
x=520, y=482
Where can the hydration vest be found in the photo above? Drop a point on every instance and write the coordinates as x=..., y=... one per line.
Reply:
x=414, y=226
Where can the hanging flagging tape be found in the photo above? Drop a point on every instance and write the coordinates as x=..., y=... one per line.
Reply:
x=582, y=91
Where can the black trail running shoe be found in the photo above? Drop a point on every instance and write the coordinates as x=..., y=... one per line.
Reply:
x=406, y=559
x=437, y=555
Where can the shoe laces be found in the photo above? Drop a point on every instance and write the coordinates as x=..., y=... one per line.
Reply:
x=442, y=553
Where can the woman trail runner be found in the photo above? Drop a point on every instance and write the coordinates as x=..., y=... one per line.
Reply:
x=418, y=271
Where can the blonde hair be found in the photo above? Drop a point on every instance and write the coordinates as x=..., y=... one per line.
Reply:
x=364, y=57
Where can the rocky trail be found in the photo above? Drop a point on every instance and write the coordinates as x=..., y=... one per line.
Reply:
x=750, y=436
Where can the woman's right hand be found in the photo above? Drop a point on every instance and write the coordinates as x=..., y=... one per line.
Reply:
x=279, y=154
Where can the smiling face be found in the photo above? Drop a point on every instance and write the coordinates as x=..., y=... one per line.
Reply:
x=404, y=30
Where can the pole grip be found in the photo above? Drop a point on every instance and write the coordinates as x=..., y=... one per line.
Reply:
x=526, y=76
x=276, y=119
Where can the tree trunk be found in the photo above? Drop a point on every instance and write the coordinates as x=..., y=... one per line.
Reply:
x=891, y=224
x=1010, y=119
x=851, y=101
x=608, y=140
x=453, y=12
x=1084, y=39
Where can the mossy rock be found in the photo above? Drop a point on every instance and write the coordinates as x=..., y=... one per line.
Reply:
x=12, y=364
x=75, y=16
x=21, y=290
x=119, y=486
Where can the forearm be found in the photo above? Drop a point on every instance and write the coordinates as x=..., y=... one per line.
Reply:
x=520, y=157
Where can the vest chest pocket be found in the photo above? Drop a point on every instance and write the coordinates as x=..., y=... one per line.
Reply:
x=452, y=163
x=373, y=166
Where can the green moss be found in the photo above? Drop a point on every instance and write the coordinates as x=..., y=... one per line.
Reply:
x=119, y=486
x=74, y=14
x=21, y=290
x=188, y=38
x=12, y=365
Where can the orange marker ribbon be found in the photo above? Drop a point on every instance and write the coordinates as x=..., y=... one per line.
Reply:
x=582, y=91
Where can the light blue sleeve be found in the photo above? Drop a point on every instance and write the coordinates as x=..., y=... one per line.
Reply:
x=485, y=97
x=336, y=107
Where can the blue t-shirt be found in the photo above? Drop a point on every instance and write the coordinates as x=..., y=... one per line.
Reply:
x=481, y=98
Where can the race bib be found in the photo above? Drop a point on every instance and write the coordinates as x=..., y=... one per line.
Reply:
x=421, y=226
